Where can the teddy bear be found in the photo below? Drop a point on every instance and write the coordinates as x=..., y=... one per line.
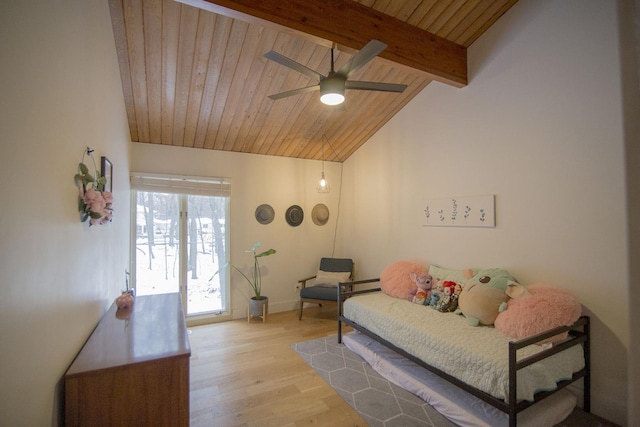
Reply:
x=483, y=295
x=422, y=290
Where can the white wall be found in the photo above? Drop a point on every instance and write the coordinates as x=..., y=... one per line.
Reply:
x=61, y=92
x=629, y=15
x=540, y=125
x=278, y=181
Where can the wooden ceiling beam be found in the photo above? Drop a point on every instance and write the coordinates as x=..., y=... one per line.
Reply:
x=350, y=24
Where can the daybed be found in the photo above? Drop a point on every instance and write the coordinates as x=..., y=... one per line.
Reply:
x=508, y=375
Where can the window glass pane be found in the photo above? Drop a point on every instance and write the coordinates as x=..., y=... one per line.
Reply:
x=157, y=243
x=180, y=240
x=205, y=252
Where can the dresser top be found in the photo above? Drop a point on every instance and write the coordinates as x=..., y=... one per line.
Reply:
x=155, y=329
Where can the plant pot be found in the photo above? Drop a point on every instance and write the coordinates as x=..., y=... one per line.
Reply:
x=258, y=307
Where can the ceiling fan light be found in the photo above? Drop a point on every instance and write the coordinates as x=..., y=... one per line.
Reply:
x=332, y=91
x=332, y=98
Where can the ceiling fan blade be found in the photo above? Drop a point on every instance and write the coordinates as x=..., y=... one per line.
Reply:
x=283, y=60
x=366, y=54
x=379, y=86
x=294, y=92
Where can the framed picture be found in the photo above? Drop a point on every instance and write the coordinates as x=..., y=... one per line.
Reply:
x=107, y=172
x=471, y=211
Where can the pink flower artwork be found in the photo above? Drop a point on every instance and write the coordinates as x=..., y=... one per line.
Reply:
x=94, y=205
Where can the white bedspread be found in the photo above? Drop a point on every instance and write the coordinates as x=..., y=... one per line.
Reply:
x=476, y=355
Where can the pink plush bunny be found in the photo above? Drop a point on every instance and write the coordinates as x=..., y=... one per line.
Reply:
x=422, y=290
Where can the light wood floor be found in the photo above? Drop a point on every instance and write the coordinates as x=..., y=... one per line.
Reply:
x=248, y=375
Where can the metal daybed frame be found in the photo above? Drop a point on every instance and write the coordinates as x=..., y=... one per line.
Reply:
x=579, y=333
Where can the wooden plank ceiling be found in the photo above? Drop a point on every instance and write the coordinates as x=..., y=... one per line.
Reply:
x=195, y=78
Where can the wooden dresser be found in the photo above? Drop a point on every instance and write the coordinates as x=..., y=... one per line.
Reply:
x=135, y=371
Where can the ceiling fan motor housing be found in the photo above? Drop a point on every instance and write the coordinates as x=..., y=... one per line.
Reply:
x=332, y=90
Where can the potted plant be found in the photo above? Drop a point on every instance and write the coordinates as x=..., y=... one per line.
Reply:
x=257, y=301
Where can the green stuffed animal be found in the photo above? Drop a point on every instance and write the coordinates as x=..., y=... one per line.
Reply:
x=481, y=299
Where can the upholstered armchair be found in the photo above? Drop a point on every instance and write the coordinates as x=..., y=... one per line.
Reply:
x=324, y=288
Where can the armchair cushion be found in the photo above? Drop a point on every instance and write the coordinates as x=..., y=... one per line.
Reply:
x=320, y=292
x=330, y=279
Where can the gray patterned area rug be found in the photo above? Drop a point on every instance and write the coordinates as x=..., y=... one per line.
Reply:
x=379, y=402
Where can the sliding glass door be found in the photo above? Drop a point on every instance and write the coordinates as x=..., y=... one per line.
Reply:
x=157, y=255
x=180, y=243
x=206, y=249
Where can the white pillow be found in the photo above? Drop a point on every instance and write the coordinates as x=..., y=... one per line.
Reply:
x=330, y=279
x=441, y=275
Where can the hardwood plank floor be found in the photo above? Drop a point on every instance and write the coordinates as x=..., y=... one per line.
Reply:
x=247, y=374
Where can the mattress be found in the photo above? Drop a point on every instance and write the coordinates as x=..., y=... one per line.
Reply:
x=460, y=407
x=477, y=356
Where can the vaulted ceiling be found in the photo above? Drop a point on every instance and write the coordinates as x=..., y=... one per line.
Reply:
x=194, y=72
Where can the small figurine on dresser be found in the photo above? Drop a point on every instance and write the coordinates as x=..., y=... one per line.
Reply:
x=126, y=299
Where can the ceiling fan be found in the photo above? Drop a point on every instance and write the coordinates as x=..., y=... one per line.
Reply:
x=333, y=85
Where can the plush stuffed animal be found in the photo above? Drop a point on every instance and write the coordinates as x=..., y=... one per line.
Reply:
x=484, y=293
x=535, y=309
x=446, y=287
x=422, y=290
x=445, y=300
x=452, y=305
x=437, y=292
x=395, y=280
x=433, y=300
x=450, y=285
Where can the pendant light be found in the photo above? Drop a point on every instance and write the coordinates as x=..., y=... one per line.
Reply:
x=323, y=185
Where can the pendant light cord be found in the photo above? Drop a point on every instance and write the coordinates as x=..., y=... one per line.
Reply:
x=324, y=137
x=335, y=231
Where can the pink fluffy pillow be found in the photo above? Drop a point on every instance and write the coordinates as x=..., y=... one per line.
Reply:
x=395, y=280
x=542, y=309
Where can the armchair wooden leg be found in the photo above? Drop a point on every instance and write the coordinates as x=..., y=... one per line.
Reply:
x=300, y=315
